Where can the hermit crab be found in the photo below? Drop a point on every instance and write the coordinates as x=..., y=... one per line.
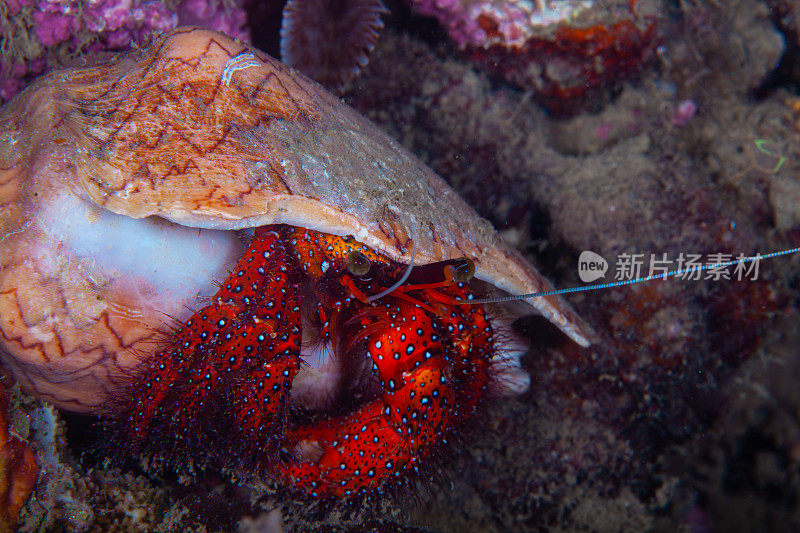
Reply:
x=207, y=247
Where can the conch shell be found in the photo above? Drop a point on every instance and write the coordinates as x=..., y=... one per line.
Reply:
x=120, y=183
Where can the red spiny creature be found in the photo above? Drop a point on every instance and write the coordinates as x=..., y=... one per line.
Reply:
x=410, y=367
x=245, y=343
x=319, y=362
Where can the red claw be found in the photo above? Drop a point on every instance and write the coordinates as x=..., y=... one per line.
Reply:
x=224, y=384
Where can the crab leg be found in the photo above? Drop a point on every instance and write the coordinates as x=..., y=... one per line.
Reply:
x=432, y=371
x=242, y=349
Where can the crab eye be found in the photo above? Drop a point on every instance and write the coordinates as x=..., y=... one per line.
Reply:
x=463, y=270
x=357, y=263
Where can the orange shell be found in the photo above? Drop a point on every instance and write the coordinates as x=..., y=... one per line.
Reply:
x=160, y=132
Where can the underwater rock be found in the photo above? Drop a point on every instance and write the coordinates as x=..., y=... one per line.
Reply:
x=18, y=469
x=562, y=50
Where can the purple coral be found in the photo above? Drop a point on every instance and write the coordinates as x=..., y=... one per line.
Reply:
x=14, y=6
x=37, y=34
x=54, y=24
x=121, y=22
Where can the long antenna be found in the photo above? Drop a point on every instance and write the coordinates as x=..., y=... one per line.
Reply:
x=401, y=280
x=511, y=298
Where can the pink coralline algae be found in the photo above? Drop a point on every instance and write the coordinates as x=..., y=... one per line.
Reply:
x=51, y=26
x=561, y=49
x=36, y=35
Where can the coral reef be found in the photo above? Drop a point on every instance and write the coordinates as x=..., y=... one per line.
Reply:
x=38, y=35
x=18, y=470
x=328, y=40
x=559, y=49
x=83, y=495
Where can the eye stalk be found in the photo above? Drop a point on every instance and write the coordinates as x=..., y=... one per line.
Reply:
x=358, y=264
x=462, y=270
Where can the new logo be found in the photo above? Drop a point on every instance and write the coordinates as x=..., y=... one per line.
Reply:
x=591, y=266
